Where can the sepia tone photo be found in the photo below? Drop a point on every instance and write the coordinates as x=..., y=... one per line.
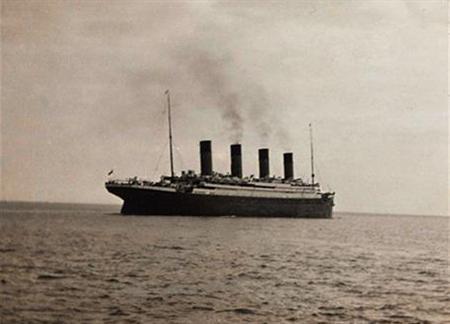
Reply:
x=224, y=161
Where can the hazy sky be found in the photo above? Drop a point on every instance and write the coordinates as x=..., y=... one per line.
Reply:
x=83, y=92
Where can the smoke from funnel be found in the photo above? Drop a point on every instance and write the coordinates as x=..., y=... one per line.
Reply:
x=209, y=70
x=242, y=102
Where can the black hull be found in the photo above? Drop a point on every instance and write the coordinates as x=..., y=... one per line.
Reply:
x=140, y=201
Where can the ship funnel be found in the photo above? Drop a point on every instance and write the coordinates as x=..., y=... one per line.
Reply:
x=205, y=158
x=288, y=162
x=236, y=160
x=263, y=155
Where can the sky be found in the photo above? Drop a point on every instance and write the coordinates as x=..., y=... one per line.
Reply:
x=82, y=92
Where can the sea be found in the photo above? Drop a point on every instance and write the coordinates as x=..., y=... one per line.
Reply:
x=68, y=263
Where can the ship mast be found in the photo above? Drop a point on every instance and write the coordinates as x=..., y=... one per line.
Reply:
x=172, y=174
x=312, y=153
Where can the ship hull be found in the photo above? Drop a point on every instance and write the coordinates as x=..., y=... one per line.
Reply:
x=145, y=201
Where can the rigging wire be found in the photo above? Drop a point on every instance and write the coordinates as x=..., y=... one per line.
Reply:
x=182, y=166
x=161, y=153
x=157, y=130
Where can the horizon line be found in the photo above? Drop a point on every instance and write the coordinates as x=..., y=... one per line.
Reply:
x=119, y=204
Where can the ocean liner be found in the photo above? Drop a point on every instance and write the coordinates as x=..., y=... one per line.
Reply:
x=213, y=194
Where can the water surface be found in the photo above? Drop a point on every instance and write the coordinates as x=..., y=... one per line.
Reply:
x=84, y=263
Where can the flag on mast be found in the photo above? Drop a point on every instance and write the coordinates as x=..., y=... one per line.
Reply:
x=167, y=91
